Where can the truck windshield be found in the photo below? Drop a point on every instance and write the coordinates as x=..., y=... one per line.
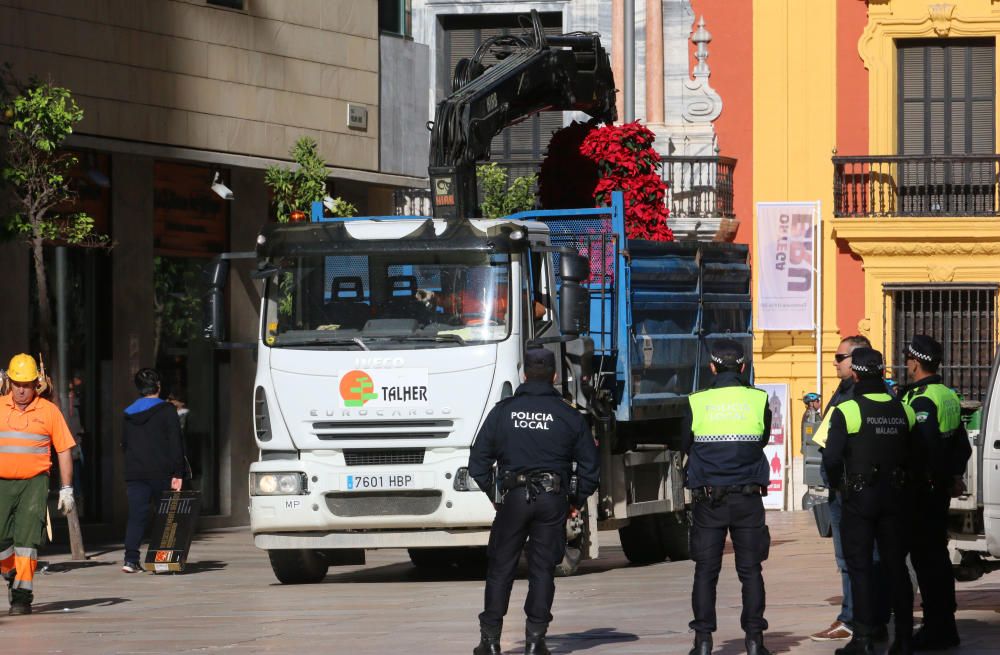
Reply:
x=388, y=300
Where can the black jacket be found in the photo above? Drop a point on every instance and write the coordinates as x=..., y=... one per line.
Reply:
x=534, y=430
x=731, y=463
x=942, y=458
x=152, y=443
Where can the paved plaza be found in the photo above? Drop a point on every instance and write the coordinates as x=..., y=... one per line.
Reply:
x=229, y=602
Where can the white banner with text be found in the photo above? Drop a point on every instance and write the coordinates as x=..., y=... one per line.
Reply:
x=786, y=265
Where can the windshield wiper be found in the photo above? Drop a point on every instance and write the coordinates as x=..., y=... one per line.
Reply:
x=439, y=338
x=327, y=341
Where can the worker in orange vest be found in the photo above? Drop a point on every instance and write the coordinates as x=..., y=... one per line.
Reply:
x=29, y=426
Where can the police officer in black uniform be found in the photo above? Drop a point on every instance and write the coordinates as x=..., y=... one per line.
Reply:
x=533, y=437
x=867, y=459
x=943, y=440
x=724, y=435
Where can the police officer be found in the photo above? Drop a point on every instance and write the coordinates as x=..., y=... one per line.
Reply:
x=533, y=438
x=942, y=439
x=724, y=436
x=866, y=458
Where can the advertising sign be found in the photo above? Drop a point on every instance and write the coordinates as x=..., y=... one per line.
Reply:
x=776, y=449
x=786, y=266
x=382, y=387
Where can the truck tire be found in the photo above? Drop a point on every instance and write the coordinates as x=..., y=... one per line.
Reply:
x=642, y=540
x=674, y=531
x=298, y=566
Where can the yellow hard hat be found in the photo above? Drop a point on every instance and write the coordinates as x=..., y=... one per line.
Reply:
x=22, y=368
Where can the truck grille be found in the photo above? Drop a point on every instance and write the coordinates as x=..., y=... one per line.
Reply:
x=416, y=429
x=384, y=503
x=384, y=457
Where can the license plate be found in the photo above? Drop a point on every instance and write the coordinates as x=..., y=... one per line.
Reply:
x=387, y=481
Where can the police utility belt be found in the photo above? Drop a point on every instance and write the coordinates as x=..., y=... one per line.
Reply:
x=858, y=481
x=717, y=494
x=533, y=483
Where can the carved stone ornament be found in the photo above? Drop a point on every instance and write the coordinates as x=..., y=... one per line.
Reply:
x=865, y=326
x=941, y=273
x=941, y=14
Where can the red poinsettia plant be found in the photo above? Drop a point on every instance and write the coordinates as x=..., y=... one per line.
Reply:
x=626, y=161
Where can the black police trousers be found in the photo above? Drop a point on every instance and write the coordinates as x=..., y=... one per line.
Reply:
x=542, y=523
x=929, y=554
x=742, y=516
x=869, y=517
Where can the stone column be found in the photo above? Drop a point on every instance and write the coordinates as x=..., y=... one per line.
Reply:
x=237, y=448
x=618, y=53
x=132, y=306
x=654, y=62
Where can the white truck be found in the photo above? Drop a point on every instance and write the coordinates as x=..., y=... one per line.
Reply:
x=384, y=342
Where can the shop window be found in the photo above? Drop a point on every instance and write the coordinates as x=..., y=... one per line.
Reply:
x=962, y=317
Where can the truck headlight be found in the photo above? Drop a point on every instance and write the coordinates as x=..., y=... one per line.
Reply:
x=278, y=484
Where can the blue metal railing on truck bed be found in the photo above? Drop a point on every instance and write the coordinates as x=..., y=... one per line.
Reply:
x=655, y=306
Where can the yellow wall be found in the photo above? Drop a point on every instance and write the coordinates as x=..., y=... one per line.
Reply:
x=921, y=249
x=794, y=133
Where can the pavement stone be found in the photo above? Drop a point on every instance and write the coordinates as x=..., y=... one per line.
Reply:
x=229, y=602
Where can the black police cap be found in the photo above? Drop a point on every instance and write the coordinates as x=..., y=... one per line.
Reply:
x=727, y=352
x=539, y=358
x=925, y=349
x=867, y=363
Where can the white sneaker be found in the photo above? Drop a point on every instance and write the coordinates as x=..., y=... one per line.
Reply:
x=131, y=567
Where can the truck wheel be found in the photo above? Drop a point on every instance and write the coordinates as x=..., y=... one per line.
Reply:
x=674, y=529
x=642, y=540
x=298, y=566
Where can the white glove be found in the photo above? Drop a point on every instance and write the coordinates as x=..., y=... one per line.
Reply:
x=66, y=501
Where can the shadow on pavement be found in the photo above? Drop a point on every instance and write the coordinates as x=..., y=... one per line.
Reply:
x=52, y=608
x=204, y=566
x=63, y=567
x=572, y=642
x=776, y=642
x=403, y=572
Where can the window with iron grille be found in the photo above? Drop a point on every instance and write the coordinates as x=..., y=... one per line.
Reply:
x=963, y=317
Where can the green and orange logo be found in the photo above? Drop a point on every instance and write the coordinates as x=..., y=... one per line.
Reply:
x=357, y=388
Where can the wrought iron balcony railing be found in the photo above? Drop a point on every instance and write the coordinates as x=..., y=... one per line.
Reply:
x=910, y=185
x=697, y=187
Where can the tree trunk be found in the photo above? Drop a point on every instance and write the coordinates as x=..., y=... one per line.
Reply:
x=44, y=306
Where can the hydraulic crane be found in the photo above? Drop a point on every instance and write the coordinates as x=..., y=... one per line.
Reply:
x=536, y=72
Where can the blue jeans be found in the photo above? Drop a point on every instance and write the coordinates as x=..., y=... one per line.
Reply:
x=141, y=493
x=882, y=603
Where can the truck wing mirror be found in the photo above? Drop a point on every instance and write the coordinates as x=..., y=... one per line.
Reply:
x=574, y=308
x=574, y=267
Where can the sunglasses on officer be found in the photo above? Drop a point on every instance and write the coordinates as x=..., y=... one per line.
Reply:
x=839, y=357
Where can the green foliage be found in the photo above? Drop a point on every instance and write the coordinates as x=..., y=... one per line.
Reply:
x=36, y=171
x=286, y=284
x=177, y=303
x=297, y=189
x=499, y=199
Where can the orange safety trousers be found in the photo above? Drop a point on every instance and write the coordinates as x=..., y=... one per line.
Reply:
x=22, y=521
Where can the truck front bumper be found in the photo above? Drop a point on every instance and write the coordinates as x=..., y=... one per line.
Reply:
x=332, y=515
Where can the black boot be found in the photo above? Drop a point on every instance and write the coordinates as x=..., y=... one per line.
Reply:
x=860, y=644
x=489, y=640
x=755, y=644
x=534, y=640
x=702, y=644
x=901, y=645
x=936, y=635
x=19, y=607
